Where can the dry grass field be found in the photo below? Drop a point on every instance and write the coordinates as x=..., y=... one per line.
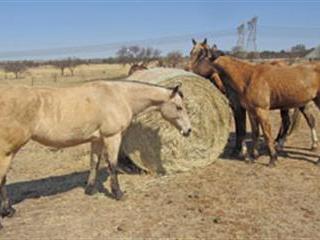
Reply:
x=226, y=200
x=51, y=76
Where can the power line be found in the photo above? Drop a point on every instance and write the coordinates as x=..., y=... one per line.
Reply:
x=265, y=31
x=111, y=46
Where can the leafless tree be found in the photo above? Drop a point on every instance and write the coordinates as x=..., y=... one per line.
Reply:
x=135, y=54
x=69, y=63
x=72, y=64
x=174, y=58
x=61, y=64
x=16, y=67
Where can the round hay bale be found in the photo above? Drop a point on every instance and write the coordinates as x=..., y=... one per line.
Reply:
x=156, y=146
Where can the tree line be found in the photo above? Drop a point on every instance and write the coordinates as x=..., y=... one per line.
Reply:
x=19, y=67
x=296, y=51
x=125, y=55
x=143, y=55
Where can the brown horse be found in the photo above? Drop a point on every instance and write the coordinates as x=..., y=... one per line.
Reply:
x=201, y=63
x=290, y=123
x=96, y=113
x=264, y=88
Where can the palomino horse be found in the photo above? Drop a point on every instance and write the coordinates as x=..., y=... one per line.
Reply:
x=96, y=112
x=201, y=62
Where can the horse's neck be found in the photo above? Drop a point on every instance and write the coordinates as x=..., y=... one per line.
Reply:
x=204, y=68
x=238, y=72
x=143, y=97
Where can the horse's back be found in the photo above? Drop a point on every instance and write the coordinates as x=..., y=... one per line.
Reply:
x=287, y=85
x=60, y=116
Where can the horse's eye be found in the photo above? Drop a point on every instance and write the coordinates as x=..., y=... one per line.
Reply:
x=179, y=108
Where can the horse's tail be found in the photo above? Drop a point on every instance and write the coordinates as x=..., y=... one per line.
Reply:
x=295, y=121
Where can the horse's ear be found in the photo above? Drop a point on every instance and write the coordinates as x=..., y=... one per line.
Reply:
x=176, y=89
x=204, y=41
x=194, y=41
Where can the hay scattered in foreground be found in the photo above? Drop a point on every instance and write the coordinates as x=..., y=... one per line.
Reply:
x=156, y=146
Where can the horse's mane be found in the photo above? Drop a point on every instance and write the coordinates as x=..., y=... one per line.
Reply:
x=215, y=54
x=146, y=83
x=224, y=76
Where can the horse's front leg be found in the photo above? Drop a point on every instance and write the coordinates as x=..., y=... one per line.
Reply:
x=262, y=116
x=112, y=146
x=95, y=159
x=239, y=115
x=6, y=210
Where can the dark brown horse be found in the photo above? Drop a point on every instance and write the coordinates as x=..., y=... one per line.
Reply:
x=240, y=73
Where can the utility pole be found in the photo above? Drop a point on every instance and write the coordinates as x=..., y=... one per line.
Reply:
x=241, y=30
x=252, y=34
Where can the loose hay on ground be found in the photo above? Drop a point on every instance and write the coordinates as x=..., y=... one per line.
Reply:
x=156, y=146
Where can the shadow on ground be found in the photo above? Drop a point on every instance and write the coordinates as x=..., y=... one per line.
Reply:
x=21, y=191
x=49, y=186
x=292, y=152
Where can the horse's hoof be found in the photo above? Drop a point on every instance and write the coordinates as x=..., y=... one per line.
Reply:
x=117, y=194
x=1, y=226
x=271, y=164
x=236, y=153
x=249, y=160
x=90, y=190
x=255, y=154
x=279, y=145
x=314, y=147
x=8, y=212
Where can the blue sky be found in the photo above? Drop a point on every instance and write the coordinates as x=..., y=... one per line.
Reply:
x=27, y=25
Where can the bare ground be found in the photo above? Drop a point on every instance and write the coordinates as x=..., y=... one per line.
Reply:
x=226, y=200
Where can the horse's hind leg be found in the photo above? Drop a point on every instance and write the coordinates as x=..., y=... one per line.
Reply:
x=317, y=102
x=283, y=131
x=306, y=111
x=112, y=146
x=255, y=135
x=95, y=158
x=262, y=116
x=5, y=207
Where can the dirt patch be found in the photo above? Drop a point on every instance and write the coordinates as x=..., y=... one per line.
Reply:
x=226, y=200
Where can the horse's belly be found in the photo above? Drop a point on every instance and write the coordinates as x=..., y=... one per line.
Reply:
x=60, y=136
x=289, y=103
x=292, y=99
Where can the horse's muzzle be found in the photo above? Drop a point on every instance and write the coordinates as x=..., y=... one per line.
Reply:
x=186, y=133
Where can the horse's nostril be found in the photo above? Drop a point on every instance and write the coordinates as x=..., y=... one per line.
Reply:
x=187, y=133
